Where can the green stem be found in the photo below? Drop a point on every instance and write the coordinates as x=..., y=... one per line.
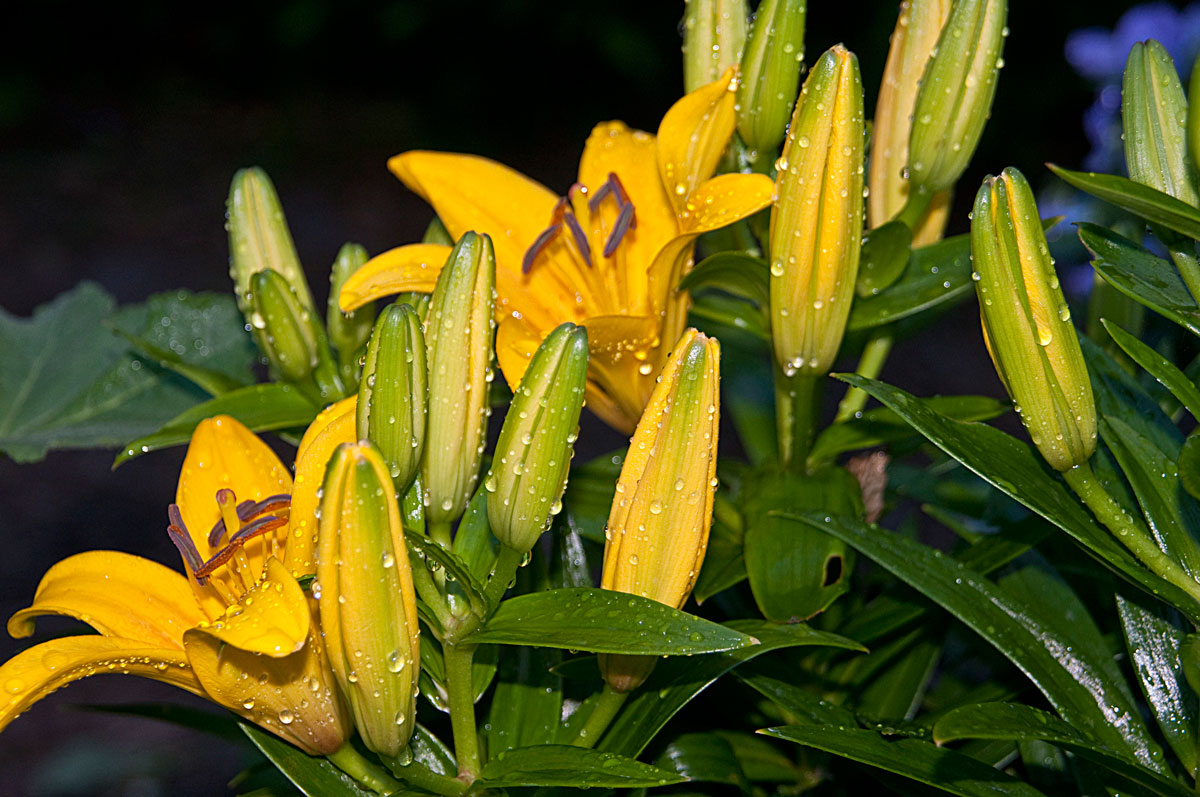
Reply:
x=461, y=693
x=421, y=776
x=1184, y=255
x=439, y=532
x=914, y=208
x=1129, y=530
x=797, y=402
x=874, y=355
x=367, y=773
x=602, y=715
x=503, y=573
x=429, y=592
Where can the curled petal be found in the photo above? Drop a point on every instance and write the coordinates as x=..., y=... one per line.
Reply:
x=406, y=268
x=693, y=134
x=271, y=619
x=34, y=673
x=726, y=199
x=118, y=594
x=334, y=426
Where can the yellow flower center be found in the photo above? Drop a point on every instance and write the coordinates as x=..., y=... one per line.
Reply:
x=563, y=217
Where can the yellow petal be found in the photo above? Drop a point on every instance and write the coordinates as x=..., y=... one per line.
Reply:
x=118, y=594
x=293, y=697
x=726, y=199
x=271, y=619
x=335, y=425
x=516, y=341
x=620, y=363
x=406, y=268
x=225, y=454
x=34, y=673
x=692, y=136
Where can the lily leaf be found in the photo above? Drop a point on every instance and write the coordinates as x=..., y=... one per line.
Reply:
x=733, y=313
x=918, y=760
x=265, y=407
x=589, y=495
x=424, y=552
x=724, y=564
x=936, y=274
x=527, y=704
x=315, y=776
x=885, y=253
x=567, y=765
x=1079, y=689
x=1158, y=367
x=1141, y=200
x=737, y=273
x=704, y=758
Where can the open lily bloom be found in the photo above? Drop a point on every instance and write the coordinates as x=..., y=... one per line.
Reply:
x=608, y=256
x=237, y=628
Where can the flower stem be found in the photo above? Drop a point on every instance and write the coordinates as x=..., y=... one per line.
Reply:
x=1128, y=530
x=797, y=402
x=421, y=776
x=503, y=573
x=918, y=202
x=602, y=715
x=462, y=709
x=367, y=773
x=429, y=592
x=875, y=354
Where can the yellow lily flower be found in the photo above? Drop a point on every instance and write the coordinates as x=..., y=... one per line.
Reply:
x=236, y=629
x=607, y=257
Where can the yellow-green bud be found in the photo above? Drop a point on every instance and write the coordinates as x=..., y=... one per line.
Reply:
x=770, y=73
x=259, y=238
x=955, y=97
x=392, y=393
x=365, y=595
x=1154, y=115
x=284, y=328
x=816, y=223
x=657, y=531
x=714, y=32
x=1027, y=324
x=458, y=336
x=533, y=454
x=347, y=331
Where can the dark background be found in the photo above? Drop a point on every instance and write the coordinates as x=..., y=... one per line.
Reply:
x=120, y=129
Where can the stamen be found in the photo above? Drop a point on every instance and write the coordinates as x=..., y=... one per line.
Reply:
x=601, y=192
x=221, y=557
x=227, y=501
x=178, y=533
x=539, y=243
x=623, y=225
x=623, y=198
x=246, y=511
x=580, y=239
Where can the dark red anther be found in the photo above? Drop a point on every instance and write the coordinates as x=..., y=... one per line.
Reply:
x=178, y=534
x=258, y=527
x=247, y=511
x=623, y=225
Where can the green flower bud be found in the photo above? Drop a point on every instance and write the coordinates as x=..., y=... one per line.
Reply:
x=1027, y=324
x=365, y=596
x=533, y=454
x=817, y=220
x=347, y=331
x=955, y=97
x=770, y=73
x=714, y=32
x=458, y=336
x=1154, y=115
x=283, y=327
x=392, y=394
x=259, y=238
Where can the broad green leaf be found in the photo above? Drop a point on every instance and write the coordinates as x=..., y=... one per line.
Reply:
x=1158, y=367
x=880, y=425
x=589, y=495
x=1078, y=688
x=474, y=545
x=1141, y=276
x=802, y=705
x=676, y=681
x=730, y=312
x=896, y=692
x=723, y=565
x=760, y=759
x=68, y=382
x=936, y=274
x=315, y=776
x=265, y=407
x=1141, y=200
x=737, y=273
x=605, y=621
x=527, y=704
x=1016, y=470
x=1153, y=643
x=912, y=758
x=429, y=750
x=885, y=254
x=704, y=758
x=566, y=765
x=1019, y=722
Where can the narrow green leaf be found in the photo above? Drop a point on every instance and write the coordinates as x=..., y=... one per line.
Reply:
x=1189, y=466
x=1140, y=275
x=527, y=704
x=676, y=681
x=262, y=408
x=589, y=495
x=1078, y=688
x=885, y=253
x=424, y=552
x=1141, y=200
x=474, y=545
x=1153, y=642
x=936, y=275
x=731, y=312
x=429, y=750
x=736, y=273
x=605, y=621
x=1119, y=395
x=566, y=765
x=1016, y=470
x=911, y=758
x=724, y=565
x=803, y=706
x=704, y=758
x=896, y=692
x=1019, y=722
x=312, y=775
x=1158, y=367
x=760, y=760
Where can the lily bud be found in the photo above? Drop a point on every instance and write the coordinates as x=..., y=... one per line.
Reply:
x=367, y=603
x=458, y=336
x=283, y=326
x=816, y=223
x=1154, y=115
x=347, y=331
x=714, y=32
x=392, y=393
x=1027, y=324
x=955, y=96
x=533, y=454
x=913, y=40
x=657, y=530
x=259, y=238
x=770, y=73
